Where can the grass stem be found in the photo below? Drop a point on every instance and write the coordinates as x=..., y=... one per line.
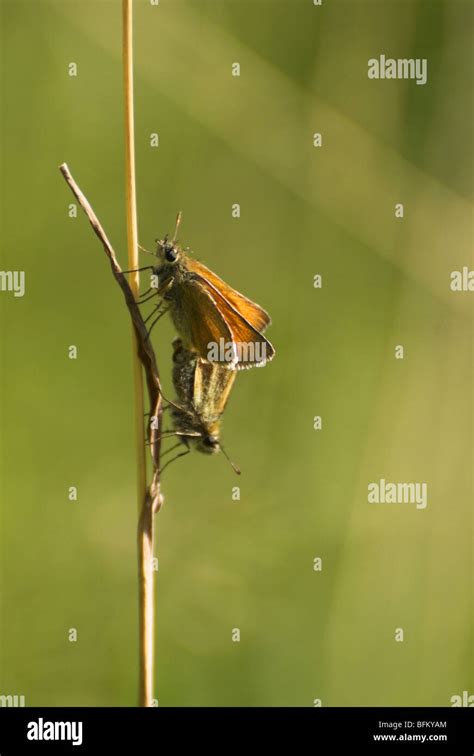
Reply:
x=146, y=593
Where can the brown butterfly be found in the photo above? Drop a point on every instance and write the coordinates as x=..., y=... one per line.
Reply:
x=214, y=320
x=202, y=389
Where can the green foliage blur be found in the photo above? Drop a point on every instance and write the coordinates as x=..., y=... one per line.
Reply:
x=223, y=563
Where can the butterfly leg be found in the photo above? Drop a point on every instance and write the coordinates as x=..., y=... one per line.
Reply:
x=181, y=454
x=147, y=299
x=160, y=290
x=172, y=448
x=163, y=436
x=166, y=406
x=156, y=320
x=138, y=270
x=153, y=312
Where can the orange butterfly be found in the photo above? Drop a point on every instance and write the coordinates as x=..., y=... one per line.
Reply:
x=202, y=389
x=214, y=320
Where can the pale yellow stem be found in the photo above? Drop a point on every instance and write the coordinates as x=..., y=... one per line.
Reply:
x=145, y=524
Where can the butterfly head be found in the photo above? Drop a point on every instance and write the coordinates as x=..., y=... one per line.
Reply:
x=168, y=251
x=209, y=444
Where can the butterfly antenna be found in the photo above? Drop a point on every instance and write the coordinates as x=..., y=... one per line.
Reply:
x=178, y=223
x=142, y=249
x=234, y=467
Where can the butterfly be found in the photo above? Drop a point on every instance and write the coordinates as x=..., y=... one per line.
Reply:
x=202, y=390
x=213, y=319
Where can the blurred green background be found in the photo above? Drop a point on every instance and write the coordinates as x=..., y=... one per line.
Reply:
x=245, y=564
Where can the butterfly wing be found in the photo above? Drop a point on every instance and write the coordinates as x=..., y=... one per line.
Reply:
x=212, y=386
x=251, y=347
x=199, y=319
x=184, y=368
x=253, y=313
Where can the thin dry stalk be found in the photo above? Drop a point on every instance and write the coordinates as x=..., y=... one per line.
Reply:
x=146, y=587
x=152, y=498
